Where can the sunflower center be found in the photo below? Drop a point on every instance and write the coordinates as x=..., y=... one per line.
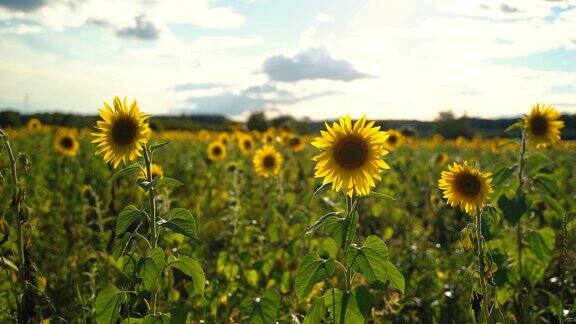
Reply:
x=392, y=139
x=295, y=141
x=468, y=185
x=351, y=152
x=269, y=162
x=66, y=142
x=124, y=132
x=538, y=125
x=217, y=151
x=247, y=145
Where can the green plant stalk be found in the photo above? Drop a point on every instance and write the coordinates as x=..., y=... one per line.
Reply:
x=350, y=208
x=480, y=243
x=152, y=198
x=16, y=207
x=519, y=224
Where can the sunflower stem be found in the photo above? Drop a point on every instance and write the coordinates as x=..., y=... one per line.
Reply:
x=153, y=242
x=480, y=243
x=519, y=224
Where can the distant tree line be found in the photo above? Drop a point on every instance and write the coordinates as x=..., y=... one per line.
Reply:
x=446, y=124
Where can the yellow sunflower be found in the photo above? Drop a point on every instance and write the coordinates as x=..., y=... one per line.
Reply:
x=466, y=186
x=441, y=158
x=203, y=135
x=155, y=169
x=245, y=143
x=543, y=125
x=351, y=155
x=267, y=161
x=269, y=136
x=394, y=140
x=122, y=132
x=216, y=151
x=224, y=138
x=34, y=124
x=296, y=143
x=65, y=142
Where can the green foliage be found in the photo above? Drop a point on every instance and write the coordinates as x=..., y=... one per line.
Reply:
x=263, y=309
x=312, y=270
x=108, y=304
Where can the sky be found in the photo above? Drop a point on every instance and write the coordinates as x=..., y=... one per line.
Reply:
x=388, y=59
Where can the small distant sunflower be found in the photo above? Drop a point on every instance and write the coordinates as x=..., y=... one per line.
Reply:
x=269, y=136
x=394, y=140
x=65, y=142
x=441, y=158
x=34, y=124
x=122, y=132
x=267, y=161
x=295, y=143
x=543, y=125
x=216, y=151
x=155, y=169
x=351, y=155
x=203, y=135
x=245, y=143
x=466, y=186
x=224, y=138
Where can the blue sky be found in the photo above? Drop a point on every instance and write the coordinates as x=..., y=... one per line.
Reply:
x=404, y=59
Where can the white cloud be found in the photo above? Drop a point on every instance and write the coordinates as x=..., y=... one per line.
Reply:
x=324, y=17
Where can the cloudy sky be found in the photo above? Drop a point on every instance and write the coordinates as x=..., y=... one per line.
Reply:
x=402, y=59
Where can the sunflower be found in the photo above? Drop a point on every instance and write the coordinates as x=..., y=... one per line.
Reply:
x=34, y=124
x=155, y=169
x=394, y=140
x=122, y=132
x=351, y=156
x=216, y=151
x=543, y=125
x=295, y=143
x=245, y=143
x=441, y=158
x=466, y=186
x=267, y=161
x=65, y=142
x=269, y=136
x=203, y=135
x=224, y=138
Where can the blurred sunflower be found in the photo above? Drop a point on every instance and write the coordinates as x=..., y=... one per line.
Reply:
x=203, y=135
x=65, y=142
x=267, y=161
x=394, y=140
x=155, y=169
x=466, y=186
x=543, y=125
x=224, y=138
x=295, y=143
x=245, y=143
x=269, y=136
x=351, y=156
x=216, y=151
x=122, y=132
x=34, y=124
x=440, y=159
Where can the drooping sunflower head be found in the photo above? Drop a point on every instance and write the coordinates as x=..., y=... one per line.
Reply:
x=216, y=151
x=122, y=132
x=296, y=143
x=394, y=140
x=466, y=186
x=34, y=125
x=65, y=142
x=351, y=156
x=245, y=143
x=267, y=161
x=543, y=125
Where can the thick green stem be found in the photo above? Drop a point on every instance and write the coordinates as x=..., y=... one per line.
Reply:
x=480, y=243
x=152, y=199
x=519, y=224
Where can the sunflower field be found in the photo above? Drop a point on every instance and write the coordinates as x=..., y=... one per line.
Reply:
x=354, y=224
